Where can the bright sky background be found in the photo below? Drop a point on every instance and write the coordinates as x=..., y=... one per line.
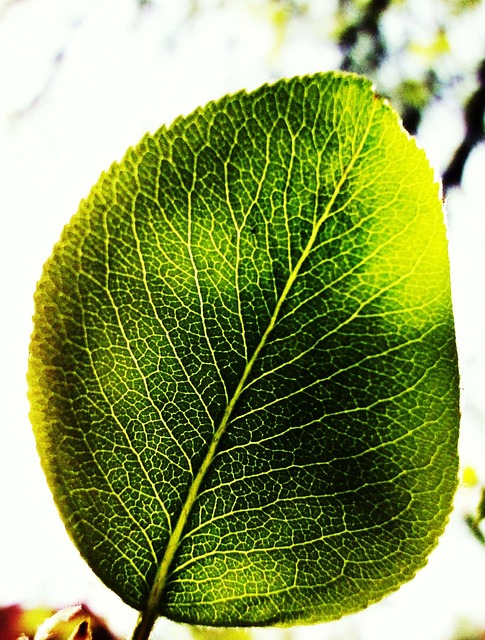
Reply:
x=82, y=80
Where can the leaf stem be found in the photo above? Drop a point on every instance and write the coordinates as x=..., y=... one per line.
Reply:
x=144, y=625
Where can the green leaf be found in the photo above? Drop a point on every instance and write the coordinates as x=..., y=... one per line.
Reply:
x=243, y=373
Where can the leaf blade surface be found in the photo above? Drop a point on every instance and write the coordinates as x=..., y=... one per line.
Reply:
x=243, y=366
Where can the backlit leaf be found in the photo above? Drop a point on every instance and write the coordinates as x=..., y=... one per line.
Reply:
x=243, y=372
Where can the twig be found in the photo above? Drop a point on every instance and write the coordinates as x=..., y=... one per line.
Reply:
x=474, y=114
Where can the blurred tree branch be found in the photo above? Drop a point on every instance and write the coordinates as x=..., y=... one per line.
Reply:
x=362, y=41
x=474, y=115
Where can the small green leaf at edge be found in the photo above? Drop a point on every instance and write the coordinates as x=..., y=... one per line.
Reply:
x=243, y=374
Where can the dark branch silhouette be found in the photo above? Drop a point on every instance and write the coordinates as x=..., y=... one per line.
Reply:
x=367, y=25
x=474, y=114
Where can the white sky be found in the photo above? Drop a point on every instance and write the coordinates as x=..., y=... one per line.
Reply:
x=80, y=81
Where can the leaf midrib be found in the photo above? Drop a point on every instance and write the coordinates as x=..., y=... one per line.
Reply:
x=149, y=615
